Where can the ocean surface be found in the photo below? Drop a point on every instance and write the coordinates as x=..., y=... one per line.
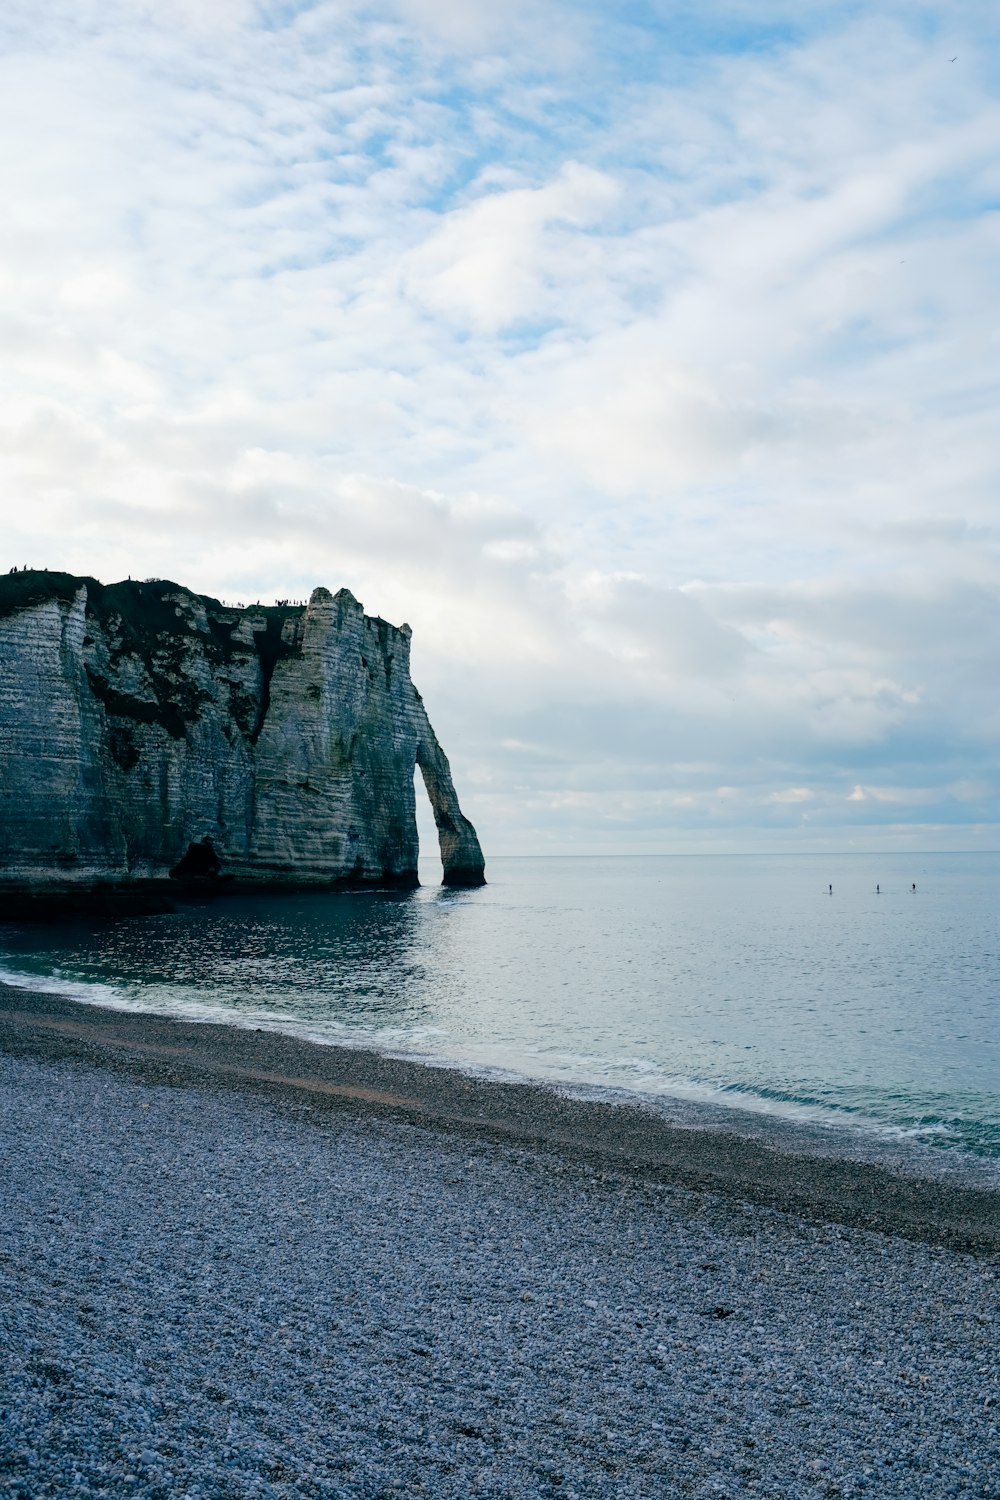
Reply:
x=721, y=989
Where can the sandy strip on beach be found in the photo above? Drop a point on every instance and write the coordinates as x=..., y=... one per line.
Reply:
x=821, y=1188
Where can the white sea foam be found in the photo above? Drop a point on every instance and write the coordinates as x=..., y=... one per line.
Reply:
x=169, y=1003
x=688, y=1101
x=88, y=992
x=720, y=993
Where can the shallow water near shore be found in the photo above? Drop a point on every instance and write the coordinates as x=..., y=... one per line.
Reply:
x=737, y=984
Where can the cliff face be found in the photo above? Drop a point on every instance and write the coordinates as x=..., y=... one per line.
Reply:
x=138, y=720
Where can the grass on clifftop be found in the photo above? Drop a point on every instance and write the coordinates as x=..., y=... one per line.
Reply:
x=141, y=619
x=20, y=591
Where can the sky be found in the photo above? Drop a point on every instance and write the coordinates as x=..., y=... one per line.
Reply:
x=643, y=357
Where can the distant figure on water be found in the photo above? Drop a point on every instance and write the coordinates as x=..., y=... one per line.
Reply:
x=878, y=890
x=913, y=886
x=831, y=890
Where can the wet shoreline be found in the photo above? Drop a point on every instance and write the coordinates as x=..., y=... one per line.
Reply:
x=321, y=1079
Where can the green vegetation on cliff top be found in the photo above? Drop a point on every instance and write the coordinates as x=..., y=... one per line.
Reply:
x=143, y=619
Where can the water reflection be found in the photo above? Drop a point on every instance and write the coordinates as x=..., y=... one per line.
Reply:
x=735, y=979
x=318, y=958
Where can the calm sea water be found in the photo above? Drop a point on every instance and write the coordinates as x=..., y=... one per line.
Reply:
x=717, y=983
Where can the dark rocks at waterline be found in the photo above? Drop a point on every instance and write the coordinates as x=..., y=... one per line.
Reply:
x=100, y=901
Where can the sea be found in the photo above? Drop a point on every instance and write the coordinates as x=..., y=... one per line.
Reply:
x=842, y=1003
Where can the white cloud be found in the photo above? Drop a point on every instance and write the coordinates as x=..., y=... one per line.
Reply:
x=905, y=796
x=656, y=630
x=648, y=373
x=501, y=258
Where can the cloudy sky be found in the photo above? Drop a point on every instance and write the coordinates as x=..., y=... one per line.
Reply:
x=642, y=354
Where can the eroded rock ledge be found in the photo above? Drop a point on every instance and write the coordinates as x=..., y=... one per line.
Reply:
x=145, y=729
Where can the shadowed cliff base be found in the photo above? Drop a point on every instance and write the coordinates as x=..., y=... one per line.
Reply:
x=101, y=901
x=148, y=732
x=464, y=875
x=104, y=900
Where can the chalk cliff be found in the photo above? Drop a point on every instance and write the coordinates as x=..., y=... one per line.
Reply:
x=138, y=720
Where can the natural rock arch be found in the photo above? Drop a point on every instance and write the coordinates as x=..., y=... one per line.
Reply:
x=139, y=719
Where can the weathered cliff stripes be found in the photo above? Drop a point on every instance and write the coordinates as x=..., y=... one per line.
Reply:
x=138, y=719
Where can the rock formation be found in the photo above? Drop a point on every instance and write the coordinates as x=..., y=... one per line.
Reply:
x=146, y=730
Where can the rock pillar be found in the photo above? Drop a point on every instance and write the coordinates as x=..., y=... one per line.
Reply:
x=461, y=857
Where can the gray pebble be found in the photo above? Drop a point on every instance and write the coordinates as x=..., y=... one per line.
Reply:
x=203, y=1296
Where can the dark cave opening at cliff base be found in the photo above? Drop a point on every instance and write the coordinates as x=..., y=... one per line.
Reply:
x=200, y=861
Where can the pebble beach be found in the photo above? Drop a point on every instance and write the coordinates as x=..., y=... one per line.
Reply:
x=235, y=1264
